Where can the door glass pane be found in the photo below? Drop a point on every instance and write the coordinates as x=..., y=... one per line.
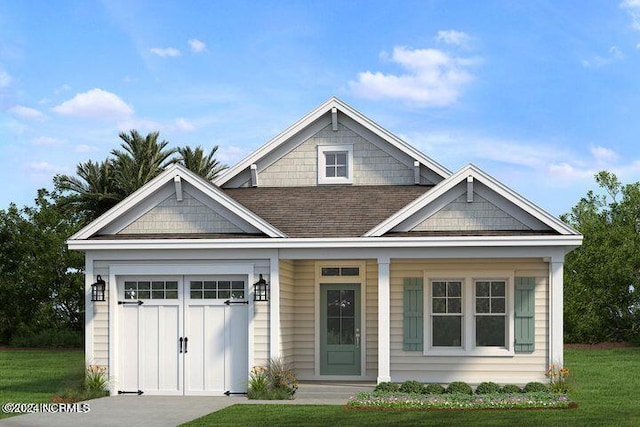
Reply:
x=143, y=295
x=196, y=294
x=209, y=285
x=157, y=294
x=196, y=285
x=350, y=271
x=333, y=303
x=172, y=294
x=330, y=271
x=490, y=331
x=172, y=285
x=224, y=294
x=144, y=285
x=209, y=294
x=224, y=285
x=447, y=331
x=333, y=330
x=156, y=286
x=348, y=331
x=237, y=294
x=347, y=303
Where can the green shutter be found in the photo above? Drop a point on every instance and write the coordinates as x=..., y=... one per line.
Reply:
x=413, y=318
x=524, y=314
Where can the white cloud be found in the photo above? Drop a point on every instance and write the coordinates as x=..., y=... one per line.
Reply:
x=614, y=54
x=95, y=104
x=453, y=37
x=26, y=112
x=432, y=78
x=603, y=155
x=42, y=167
x=82, y=148
x=230, y=154
x=633, y=7
x=5, y=79
x=61, y=89
x=168, y=51
x=197, y=46
x=184, y=125
x=45, y=140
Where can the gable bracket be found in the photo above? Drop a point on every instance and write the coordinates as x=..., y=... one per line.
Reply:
x=470, y=189
x=178, y=182
x=334, y=119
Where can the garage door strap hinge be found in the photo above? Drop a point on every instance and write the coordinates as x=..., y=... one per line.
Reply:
x=130, y=302
x=229, y=302
x=229, y=393
x=139, y=392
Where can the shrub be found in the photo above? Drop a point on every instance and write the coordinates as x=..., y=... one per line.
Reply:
x=387, y=387
x=276, y=381
x=535, y=386
x=510, y=389
x=411, y=387
x=48, y=338
x=557, y=378
x=487, y=388
x=459, y=387
x=433, y=389
x=95, y=379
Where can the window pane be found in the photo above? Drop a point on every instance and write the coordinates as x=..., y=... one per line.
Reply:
x=210, y=285
x=172, y=285
x=157, y=286
x=439, y=305
x=130, y=285
x=330, y=171
x=341, y=171
x=196, y=294
x=237, y=294
x=224, y=285
x=455, y=289
x=157, y=294
x=237, y=285
x=497, y=305
x=497, y=289
x=341, y=158
x=224, y=294
x=330, y=271
x=333, y=331
x=348, y=332
x=350, y=271
x=482, y=289
x=330, y=158
x=172, y=294
x=447, y=331
x=439, y=289
x=482, y=305
x=347, y=303
x=455, y=305
x=143, y=295
x=490, y=331
x=209, y=294
x=144, y=285
x=333, y=303
x=196, y=285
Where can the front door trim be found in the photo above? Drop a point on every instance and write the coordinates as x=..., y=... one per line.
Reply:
x=362, y=281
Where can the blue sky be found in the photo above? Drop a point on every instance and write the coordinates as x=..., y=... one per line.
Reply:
x=539, y=94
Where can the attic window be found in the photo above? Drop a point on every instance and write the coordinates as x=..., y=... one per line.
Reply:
x=335, y=164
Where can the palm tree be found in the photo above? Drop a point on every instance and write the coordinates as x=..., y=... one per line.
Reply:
x=140, y=160
x=93, y=191
x=207, y=166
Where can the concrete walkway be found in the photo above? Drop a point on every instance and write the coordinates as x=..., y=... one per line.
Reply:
x=170, y=411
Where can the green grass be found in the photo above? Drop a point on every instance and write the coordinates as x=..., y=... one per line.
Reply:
x=604, y=383
x=34, y=376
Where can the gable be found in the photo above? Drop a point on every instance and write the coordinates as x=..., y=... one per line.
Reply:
x=178, y=202
x=477, y=215
x=294, y=158
x=471, y=202
x=189, y=215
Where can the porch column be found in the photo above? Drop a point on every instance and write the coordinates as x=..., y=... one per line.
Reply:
x=384, y=333
x=556, y=318
x=274, y=308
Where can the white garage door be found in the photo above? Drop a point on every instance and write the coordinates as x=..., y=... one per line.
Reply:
x=182, y=335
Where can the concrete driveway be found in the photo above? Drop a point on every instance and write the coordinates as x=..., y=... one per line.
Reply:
x=129, y=411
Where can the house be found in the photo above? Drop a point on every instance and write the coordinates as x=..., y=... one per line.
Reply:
x=381, y=265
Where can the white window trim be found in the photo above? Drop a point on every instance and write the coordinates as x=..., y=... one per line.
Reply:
x=322, y=178
x=468, y=347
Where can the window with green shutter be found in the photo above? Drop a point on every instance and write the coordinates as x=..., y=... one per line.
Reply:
x=413, y=314
x=525, y=314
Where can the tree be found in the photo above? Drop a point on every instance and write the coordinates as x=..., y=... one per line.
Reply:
x=602, y=300
x=140, y=160
x=207, y=166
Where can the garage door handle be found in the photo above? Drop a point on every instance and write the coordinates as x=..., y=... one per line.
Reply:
x=180, y=344
x=186, y=340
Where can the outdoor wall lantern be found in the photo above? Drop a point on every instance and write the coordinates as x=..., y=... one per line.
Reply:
x=97, y=290
x=261, y=290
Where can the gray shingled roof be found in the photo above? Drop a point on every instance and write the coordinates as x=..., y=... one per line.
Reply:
x=326, y=211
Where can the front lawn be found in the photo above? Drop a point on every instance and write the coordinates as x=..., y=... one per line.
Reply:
x=34, y=376
x=604, y=383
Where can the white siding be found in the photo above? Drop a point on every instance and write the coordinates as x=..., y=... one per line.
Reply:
x=371, y=165
x=520, y=368
x=188, y=216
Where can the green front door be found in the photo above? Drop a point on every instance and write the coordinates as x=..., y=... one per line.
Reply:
x=340, y=329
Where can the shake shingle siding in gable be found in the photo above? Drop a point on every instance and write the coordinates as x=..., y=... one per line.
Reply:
x=480, y=215
x=329, y=211
x=371, y=165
